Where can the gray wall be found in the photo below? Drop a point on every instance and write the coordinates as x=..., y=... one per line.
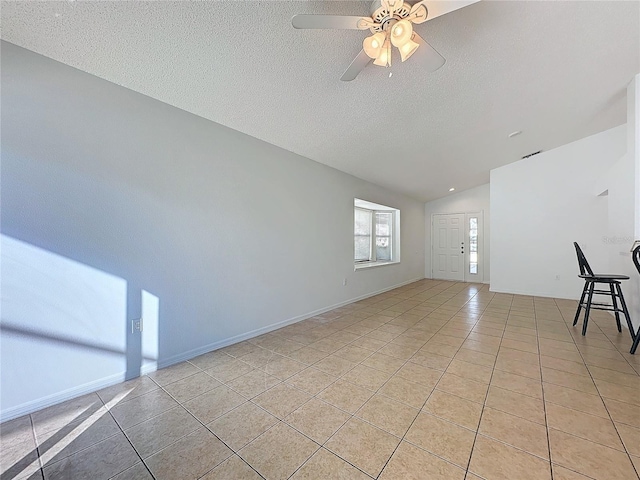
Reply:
x=115, y=205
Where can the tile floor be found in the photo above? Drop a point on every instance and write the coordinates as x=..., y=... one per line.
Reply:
x=434, y=380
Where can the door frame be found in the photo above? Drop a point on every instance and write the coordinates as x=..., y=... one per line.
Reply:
x=468, y=277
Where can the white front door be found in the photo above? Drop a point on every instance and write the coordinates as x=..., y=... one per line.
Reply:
x=456, y=242
x=448, y=236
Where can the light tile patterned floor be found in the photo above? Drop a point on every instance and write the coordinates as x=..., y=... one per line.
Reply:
x=434, y=380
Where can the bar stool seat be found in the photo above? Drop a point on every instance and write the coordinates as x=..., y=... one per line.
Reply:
x=614, y=291
x=605, y=277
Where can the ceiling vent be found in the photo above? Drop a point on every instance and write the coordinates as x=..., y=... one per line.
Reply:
x=532, y=154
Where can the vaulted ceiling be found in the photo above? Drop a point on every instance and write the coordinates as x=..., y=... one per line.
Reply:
x=555, y=70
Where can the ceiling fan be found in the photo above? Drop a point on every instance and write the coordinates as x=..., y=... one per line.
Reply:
x=391, y=24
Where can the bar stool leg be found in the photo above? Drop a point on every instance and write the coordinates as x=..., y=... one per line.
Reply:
x=634, y=347
x=587, y=309
x=584, y=292
x=615, y=305
x=626, y=312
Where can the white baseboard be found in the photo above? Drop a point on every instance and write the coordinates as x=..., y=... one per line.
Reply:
x=49, y=400
x=58, y=397
x=269, y=328
x=531, y=294
x=550, y=295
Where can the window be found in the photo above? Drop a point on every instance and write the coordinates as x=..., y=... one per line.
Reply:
x=363, y=222
x=376, y=234
x=473, y=245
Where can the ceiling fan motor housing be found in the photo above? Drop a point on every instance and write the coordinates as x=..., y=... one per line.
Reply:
x=382, y=17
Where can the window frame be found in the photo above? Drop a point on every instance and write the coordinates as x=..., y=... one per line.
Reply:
x=372, y=225
x=394, y=234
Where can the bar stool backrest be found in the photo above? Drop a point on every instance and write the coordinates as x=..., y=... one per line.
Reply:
x=636, y=257
x=585, y=269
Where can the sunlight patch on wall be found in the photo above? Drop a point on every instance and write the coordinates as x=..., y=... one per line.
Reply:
x=63, y=324
x=150, y=315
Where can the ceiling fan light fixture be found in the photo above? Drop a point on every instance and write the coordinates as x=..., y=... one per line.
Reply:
x=384, y=59
x=373, y=45
x=408, y=49
x=401, y=33
x=391, y=25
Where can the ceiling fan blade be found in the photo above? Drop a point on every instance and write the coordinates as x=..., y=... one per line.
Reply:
x=392, y=5
x=337, y=22
x=358, y=64
x=427, y=55
x=436, y=8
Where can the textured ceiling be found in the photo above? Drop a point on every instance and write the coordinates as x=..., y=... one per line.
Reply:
x=555, y=70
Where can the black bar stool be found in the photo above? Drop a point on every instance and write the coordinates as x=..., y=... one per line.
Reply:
x=636, y=261
x=614, y=291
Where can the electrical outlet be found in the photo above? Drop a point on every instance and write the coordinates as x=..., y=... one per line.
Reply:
x=136, y=325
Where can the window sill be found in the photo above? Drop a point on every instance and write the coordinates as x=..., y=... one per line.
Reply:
x=362, y=266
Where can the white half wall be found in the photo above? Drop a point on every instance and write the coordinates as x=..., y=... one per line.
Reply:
x=624, y=204
x=117, y=206
x=541, y=205
x=472, y=200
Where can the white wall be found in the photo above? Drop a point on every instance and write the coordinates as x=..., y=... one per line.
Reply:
x=133, y=207
x=620, y=233
x=472, y=200
x=541, y=205
x=624, y=204
x=633, y=141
